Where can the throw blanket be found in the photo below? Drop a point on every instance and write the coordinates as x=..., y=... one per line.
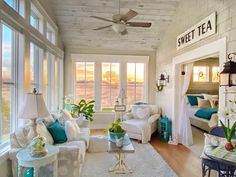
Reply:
x=206, y=113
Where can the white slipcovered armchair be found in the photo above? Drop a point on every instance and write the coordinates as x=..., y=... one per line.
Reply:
x=141, y=122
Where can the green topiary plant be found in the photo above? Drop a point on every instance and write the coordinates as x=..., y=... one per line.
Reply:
x=86, y=108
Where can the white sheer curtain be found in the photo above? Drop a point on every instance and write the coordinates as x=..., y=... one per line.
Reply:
x=185, y=131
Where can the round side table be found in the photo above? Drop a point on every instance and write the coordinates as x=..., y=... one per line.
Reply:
x=26, y=160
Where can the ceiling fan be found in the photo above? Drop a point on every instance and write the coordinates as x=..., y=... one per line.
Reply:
x=121, y=21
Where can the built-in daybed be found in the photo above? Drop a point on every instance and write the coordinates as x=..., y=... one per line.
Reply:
x=202, y=110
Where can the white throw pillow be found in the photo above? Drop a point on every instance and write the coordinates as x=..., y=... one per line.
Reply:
x=72, y=130
x=214, y=100
x=141, y=111
x=202, y=103
x=43, y=131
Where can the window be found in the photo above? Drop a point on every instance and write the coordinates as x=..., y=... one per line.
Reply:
x=8, y=83
x=36, y=67
x=60, y=84
x=201, y=74
x=135, y=82
x=17, y=5
x=50, y=81
x=50, y=33
x=215, y=74
x=110, y=85
x=36, y=19
x=84, y=81
x=101, y=77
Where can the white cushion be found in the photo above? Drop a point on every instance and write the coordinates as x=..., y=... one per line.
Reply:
x=203, y=103
x=43, y=131
x=141, y=111
x=72, y=130
x=214, y=99
x=131, y=126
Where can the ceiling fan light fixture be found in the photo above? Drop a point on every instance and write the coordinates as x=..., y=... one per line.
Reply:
x=118, y=27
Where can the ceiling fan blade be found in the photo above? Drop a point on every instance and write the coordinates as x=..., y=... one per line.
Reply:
x=129, y=15
x=102, y=27
x=139, y=24
x=104, y=19
x=124, y=32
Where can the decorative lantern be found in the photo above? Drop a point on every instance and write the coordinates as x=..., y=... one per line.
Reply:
x=228, y=75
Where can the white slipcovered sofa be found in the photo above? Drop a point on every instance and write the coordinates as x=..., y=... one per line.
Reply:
x=142, y=126
x=71, y=153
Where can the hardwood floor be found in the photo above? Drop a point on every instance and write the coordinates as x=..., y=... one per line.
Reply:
x=180, y=158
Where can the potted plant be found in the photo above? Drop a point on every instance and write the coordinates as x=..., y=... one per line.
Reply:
x=228, y=130
x=85, y=108
x=116, y=131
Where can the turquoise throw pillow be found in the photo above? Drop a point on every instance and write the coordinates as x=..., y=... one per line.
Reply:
x=58, y=132
x=192, y=99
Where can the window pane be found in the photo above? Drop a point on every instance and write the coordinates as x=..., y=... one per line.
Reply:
x=215, y=74
x=84, y=86
x=6, y=112
x=135, y=82
x=17, y=5
x=11, y=3
x=7, y=78
x=110, y=85
x=201, y=74
x=7, y=37
x=34, y=21
x=32, y=65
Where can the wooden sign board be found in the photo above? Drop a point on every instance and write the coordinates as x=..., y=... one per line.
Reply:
x=201, y=30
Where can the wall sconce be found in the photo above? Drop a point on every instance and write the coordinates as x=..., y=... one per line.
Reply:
x=228, y=75
x=164, y=78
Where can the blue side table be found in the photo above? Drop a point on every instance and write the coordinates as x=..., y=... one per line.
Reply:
x=26, y=160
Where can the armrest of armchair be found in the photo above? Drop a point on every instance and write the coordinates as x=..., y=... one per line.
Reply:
x=153, y=118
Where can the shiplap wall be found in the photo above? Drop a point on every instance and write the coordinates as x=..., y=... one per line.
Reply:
x=185, y=17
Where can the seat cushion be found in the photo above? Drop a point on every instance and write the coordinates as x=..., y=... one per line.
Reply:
x=131, y=126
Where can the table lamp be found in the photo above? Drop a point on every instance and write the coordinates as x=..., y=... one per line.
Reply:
x=33, y=108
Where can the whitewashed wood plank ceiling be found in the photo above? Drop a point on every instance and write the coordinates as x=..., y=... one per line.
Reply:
x=76, y=26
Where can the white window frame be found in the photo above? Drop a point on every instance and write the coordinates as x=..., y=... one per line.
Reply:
x=207, y=73
x=19, y=6
x=51, y=34
x=212, y=73
x=38, y=68
x=18, y=68
x=98, y=59
x=36, y=14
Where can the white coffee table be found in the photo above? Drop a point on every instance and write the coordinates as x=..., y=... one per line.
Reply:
x=120, y=166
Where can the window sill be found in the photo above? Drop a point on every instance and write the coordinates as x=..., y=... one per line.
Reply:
x=4, y=153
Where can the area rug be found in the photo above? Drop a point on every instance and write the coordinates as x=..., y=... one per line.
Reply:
x=145, y=162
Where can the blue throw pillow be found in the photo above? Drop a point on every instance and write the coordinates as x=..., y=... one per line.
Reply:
x=58, y=132
x=192, y=99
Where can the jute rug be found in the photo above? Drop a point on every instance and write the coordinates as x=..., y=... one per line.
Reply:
x=145, y=162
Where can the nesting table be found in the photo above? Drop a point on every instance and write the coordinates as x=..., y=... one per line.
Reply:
x=120, y=166
x=224, y=159
x=26, y=160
